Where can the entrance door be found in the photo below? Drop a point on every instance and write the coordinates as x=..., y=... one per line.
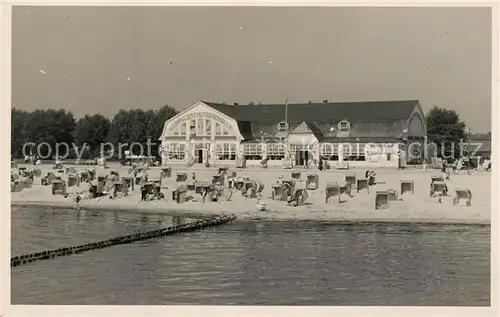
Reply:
x=200, y=156
x=301, y=157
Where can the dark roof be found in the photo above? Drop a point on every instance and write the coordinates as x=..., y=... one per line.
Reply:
x=245, y=128
x=319, y=112
x=383, y=119
x=315, y=130
x=484, y=142
x=361, y=140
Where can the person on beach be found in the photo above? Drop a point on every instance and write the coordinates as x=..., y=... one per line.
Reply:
x=424, y=165
x=280, y=179
x=193, y=176
x=144, y=193
x=455, y=165
x=320, y=164
x=443, y=167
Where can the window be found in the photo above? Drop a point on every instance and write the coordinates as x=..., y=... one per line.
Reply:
x=329, y=151
x=283, y=126
x=361, y=155
x=199, y=127
x=326, y=149
x=225, y=151
x=358, y=152
x=292, y=148
x=217, y=128
x=348, y=149
x=276, y=151
x=252, y=151
x=175, y=151
x=388, y=151
x=208, y=127
x=192, y=127
x=225, y=131
x=373, y=151
x=182, y=128
x=344, y=125
x=176, y=130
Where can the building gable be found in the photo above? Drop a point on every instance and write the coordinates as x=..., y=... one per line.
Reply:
x=201, y=111
x=302, y=128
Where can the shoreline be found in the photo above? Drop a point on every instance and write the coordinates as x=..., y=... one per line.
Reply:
x=258, y=216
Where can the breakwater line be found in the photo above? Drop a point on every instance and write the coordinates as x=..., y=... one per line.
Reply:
x=140, y=236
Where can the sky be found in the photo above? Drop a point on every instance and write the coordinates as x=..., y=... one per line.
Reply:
x=102, y=59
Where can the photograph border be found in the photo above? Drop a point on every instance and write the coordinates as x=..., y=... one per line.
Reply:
x=56, y=310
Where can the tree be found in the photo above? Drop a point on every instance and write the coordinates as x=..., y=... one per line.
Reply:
x=92, y=131
x=45, y=128
x=162, y=115
x=19, y=119
x=445, y=129
x=137, y=126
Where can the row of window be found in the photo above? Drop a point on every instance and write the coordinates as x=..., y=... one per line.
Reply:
x=227, y=151
x=325, y=149
x=200, y=127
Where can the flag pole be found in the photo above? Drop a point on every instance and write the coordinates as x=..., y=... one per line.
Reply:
x=286, y=111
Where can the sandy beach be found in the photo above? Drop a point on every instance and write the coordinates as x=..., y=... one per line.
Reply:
x=416, y=207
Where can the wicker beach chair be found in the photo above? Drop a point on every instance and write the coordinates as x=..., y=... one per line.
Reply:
x=407, y=186
x=312, y=181
x=381, y=199
x=463, y=193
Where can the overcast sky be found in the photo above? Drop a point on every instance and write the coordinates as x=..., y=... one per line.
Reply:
x=101, y=59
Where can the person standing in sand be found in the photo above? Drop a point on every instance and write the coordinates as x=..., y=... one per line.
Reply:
x=455, y=166
x=143, y=193
x=459, y=166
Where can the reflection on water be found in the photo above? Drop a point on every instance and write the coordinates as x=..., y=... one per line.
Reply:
x=250, y=263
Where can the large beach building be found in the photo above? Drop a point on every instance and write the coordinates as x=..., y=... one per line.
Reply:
x=374, y=134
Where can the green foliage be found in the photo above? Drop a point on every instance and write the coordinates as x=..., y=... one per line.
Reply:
x=49, y=126
x=445, y=129
x=89, y=132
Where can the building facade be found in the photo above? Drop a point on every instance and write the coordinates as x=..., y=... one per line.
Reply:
x=362, y=133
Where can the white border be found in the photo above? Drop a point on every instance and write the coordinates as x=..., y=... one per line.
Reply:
x=23, y=310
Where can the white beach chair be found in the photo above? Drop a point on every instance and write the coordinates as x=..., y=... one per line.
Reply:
x=407, y=186
x=463, y=193
x=381, y=199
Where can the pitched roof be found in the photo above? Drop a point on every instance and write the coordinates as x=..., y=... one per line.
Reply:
x=484, y=142
x=320, y=112
x=384, y=119
x=308, y=127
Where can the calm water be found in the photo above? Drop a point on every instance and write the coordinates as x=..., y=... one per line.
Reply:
x=250, y=263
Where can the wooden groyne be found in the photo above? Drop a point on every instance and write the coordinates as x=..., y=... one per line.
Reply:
x=140, y=236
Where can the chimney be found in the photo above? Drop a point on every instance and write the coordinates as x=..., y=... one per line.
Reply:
x=325, y=101
x=235, y=103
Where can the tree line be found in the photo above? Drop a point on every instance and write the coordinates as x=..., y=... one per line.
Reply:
x=88, y=133
x=444, y=128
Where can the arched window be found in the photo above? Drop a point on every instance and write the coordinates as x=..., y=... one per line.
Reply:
x=283, y=126
x=344, y=125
